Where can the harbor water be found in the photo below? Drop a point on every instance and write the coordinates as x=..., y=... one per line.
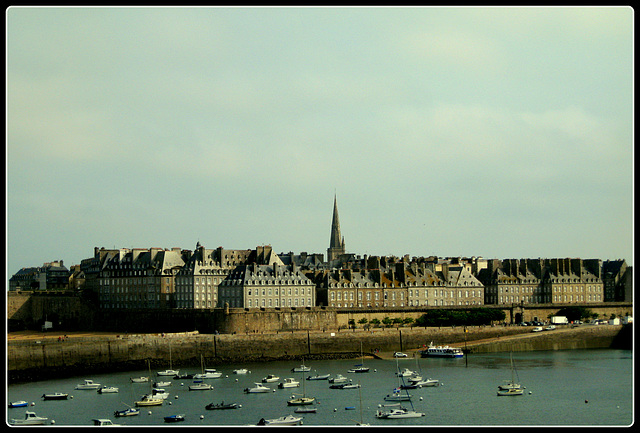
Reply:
x=562, y=388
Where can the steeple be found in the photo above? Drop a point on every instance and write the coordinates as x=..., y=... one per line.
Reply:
x=336, y=244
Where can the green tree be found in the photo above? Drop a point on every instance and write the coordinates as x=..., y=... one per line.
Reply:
x=386, y=321
x=375, y=322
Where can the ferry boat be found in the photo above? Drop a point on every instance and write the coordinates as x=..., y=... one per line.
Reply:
x=441, y=352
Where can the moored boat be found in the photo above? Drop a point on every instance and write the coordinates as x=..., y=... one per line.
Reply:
x=108, y=390
x=132, y=411
x=338, y=379
x=441, y=352
x=397, y=413
x=319, y=377
x=20, y=403
x=88, y=384
x=257, y=389
x=223, y=405
x=103, y=422
x=141, y=379
x=241, y=371
x=302, y=409
x=174, y=418
x=200, y=387
x=30, y=418
x=55, y=396
x=148, y=400
x=209, y=373
x=510, y=391
x=283, y=420
x=289, y=382
x=270, y=378
x=302, y=369
x=301, y=401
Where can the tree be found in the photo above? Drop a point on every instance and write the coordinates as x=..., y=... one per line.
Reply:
x=375, y=322
x=386, y=321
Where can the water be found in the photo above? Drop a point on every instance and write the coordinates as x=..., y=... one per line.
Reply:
x=563, y=388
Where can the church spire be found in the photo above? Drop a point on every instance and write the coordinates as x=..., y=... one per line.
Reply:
x=336, y=244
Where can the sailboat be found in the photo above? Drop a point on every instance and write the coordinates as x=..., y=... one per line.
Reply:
x=301, y=401
x=169, y=372
x=510, y=387
x=199, y=385
x=417, y=381
x=360, y=368
x=396, y=410
x=149, y=399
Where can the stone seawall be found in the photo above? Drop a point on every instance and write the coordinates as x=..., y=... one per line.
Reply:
x=42, y=358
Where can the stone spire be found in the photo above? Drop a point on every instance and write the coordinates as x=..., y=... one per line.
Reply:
x=336, y=244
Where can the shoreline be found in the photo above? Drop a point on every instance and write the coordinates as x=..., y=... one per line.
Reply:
x=34, y=356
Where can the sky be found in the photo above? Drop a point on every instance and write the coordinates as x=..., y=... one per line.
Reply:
x=456, y=132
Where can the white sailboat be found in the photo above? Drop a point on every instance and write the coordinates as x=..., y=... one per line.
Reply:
x=149, y=399
x=170, y=371
x=397, y=411
x=418, y=381
x=303, y=400
x=510, y=387
x=360, y=368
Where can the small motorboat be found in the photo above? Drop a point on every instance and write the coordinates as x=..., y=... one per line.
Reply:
x=159, y=393
x=302, y=369
x=283, y=420
x=338, y=379
x=20, y=403
x=55, y=396
x=141, y=379
x=319, y=377
x=88, y=384
x=183, y=376
x=258, y=388
x=174, y=418
x=161, y=384
x=132, y=411
x=425, y=382
x=200, y=387
x=168, y=372
x=289, y=382
x=221, y=406
x=103, y=422
x=30, y=418
x=405, y=373
x=241, y=371
x=108, y=390
x=270, y=378
x=303, y=409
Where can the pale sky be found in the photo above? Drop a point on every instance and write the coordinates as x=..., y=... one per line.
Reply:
x=490, y=132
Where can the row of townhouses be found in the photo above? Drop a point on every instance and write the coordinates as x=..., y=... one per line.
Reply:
x=259, y=278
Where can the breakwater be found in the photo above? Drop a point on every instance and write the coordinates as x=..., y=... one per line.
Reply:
x=47, y=357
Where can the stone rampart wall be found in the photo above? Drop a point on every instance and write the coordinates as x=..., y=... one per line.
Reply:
x=48, y=357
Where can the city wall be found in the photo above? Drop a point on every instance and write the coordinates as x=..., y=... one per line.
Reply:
x=71, y=312
x=46, y=357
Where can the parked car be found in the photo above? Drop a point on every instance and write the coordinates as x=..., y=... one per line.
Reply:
x=537, y=329
x=550, y=328
x=400, y=355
